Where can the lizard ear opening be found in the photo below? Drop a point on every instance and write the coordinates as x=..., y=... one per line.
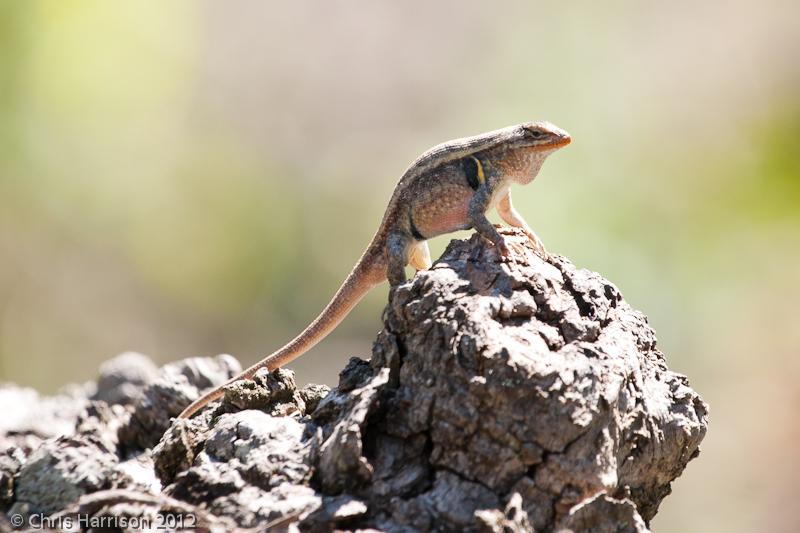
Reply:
x=420, y=256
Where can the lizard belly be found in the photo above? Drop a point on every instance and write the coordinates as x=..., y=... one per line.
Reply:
x=441, y=211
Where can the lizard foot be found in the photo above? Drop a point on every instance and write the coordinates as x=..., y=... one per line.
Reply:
x=503, y=248
x=538, y=245
x=511, y=250
x=518, y=248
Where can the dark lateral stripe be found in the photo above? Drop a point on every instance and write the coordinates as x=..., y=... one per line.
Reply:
x=473, y=170
x=414, y=231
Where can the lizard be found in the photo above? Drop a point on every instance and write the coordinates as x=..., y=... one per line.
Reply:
x=448, y=188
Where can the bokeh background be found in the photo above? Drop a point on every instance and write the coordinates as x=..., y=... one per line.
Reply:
x=190, y=178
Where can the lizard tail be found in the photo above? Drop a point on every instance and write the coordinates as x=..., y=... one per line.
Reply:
x=368, y=272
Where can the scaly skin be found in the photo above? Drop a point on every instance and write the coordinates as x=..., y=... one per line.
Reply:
x=450, y=187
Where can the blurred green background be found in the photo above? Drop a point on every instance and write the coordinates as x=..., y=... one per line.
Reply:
x=190, y=178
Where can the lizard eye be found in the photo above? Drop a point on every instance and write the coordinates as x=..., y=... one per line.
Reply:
x=536, y=134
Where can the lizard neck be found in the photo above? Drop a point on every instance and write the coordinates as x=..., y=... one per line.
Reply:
x=532, y=164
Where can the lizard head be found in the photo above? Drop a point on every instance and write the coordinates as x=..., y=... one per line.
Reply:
x=542, y=136
x=522, y=154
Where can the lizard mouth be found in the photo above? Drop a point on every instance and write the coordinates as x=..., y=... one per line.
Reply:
x=562, y=141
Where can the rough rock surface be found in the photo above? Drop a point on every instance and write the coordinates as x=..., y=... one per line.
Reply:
x=504, y=394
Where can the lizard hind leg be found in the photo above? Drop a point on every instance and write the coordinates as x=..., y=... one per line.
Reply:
x=420, y=256
x=398, y=247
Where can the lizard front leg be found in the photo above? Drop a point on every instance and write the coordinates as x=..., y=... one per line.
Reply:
x=507, y=212
x=477, y=218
